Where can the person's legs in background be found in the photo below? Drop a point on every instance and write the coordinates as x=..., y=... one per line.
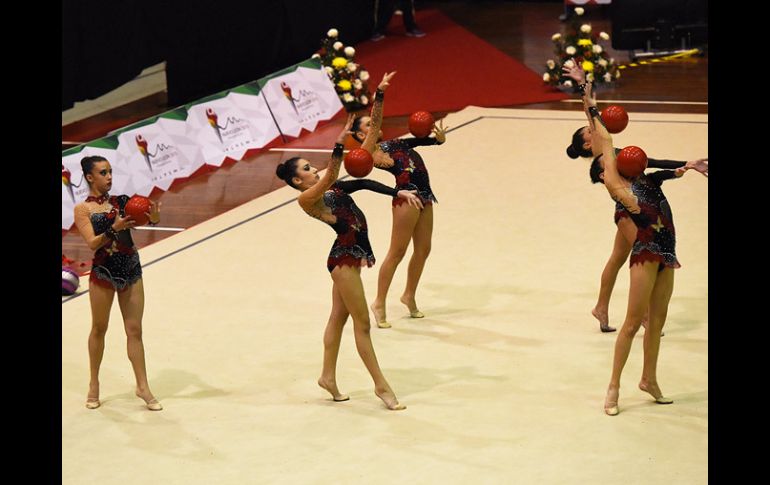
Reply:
x=407, y=8
x=383, y=11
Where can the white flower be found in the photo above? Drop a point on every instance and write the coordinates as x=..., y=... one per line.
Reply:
x=347, y=97
x=603, y=62
x=568, y=83
x=329, y=70
x=579, y=11
x=597, y=49
x=349, y=51
x=607, y=77
x=604, y=35
x=570, y=50
x=364, y=100
x=612, y=61
x=585, y=28
x=332, y=33
x=352, y=66
x=316, y=56
x=590, y=77
x=546, y=77
x=358, y=84
x=550, y=64
x=556, y=37
x=337, y=45
x=364, y=76
x=569, y=63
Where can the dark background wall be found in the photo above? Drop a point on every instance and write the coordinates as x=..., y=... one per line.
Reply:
x=663, y=24
x=208, y=46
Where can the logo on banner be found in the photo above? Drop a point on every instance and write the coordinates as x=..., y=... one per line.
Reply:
x=231, y=137
x=66, y=180
x=287, y=93
x=306, y=105
x=163, y=155
x=212, y=117
x=142, y=144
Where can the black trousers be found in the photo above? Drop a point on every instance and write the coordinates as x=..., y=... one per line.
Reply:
x=383, y=11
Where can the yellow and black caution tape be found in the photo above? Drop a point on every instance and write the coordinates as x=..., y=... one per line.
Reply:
x=678, y=55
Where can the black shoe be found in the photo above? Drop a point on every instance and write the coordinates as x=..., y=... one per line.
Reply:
x=377, y=36
x=415, y=32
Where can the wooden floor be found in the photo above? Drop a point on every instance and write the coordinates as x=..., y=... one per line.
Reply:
x=521, y=30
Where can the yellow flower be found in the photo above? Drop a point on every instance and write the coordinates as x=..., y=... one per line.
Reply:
x=585, y=42
x=588, y=66
x=344, y=85
x=339, y=62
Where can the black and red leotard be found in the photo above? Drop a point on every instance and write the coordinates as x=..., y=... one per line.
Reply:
x=655, y=234
x=651, y=163
x=116, y=264
x=409, y=168
x=352, y=246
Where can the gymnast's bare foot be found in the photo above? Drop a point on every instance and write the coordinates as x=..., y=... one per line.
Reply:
x=653, y=390
x=611, y=401
x=412, y=306
x=331, y=387
x=92, y=400
x=379, y=315
x=389, y=398
x=149, y=400
x=604, y=320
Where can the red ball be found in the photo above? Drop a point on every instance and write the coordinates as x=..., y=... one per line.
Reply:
x=136, y=208
x=615, y=118
x=359, y=162
x=421, y=124
x=631, y=161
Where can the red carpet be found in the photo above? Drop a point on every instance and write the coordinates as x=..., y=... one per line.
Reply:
x=448, y=69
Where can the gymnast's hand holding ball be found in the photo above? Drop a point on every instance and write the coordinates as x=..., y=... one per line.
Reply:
x=141, y=210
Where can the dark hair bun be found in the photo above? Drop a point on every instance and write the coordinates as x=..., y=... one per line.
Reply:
x=572, y=153
x=280, y=171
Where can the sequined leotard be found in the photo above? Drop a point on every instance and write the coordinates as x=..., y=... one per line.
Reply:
x=651, y=163
x=116, y=264
x=352, y=246
x=409, y=168
x=655, y=234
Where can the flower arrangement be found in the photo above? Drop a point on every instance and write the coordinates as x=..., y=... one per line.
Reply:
x=349, y=78
x=581, y=43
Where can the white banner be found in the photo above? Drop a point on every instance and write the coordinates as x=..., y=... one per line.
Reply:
x=300, y=99
x=153, y=158
x=229, y=126
x=179, y=142
x=189, y=147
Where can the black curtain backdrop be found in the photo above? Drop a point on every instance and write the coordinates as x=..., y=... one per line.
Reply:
x=208, y=46
x=661, y=22
x=104, y=44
